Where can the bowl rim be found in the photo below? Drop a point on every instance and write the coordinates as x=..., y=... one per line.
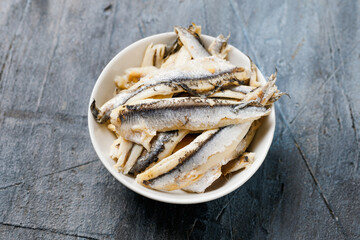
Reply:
x=200, y=198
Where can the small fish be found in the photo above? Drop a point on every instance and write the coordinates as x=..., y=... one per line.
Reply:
x=178, y=59
x=233, y=160
x=140, y=121
x=172, y=49
x=254, y=81
x=134, y=155
x=190, y=163
x=114, y=149
x=237, y=92
x=161, y=148
x=154, y=55
x=219, y=46
x=205, y=181
x=241, y=162
x=124, y=148
x=200, y=78
x=132, y=76
x=191, y=42
x=242, y=89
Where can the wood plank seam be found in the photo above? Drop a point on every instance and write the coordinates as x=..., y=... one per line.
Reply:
x=36, y=116
x=46, y=175
x=57, y=231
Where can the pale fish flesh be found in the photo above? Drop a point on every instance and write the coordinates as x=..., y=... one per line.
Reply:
x=242, y=162
x=140, y=121
x=190, y=163
x=192, y=42
x=219, y=46
x=161, y=148
x=201, y=78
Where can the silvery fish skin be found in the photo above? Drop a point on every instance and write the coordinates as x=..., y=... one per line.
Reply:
x=192, y=42
x=244, y=144
x=190, y=163
x=161, y=148
x=140, y=121
x=238, y=159
x=200, y=77
x=242, y=89
x=241, y=162
x=229, y=163
x=237, y=92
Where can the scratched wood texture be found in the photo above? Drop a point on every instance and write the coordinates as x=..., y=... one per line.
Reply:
x=52, y=185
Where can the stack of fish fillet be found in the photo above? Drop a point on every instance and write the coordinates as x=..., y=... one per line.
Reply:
x=186, y=115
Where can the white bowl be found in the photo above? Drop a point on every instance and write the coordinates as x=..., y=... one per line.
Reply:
x=102, y=138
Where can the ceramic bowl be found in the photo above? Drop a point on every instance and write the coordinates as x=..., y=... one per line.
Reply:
x=102, y=138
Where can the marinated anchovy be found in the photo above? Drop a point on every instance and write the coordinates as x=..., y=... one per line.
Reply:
x=244, y=144
x=237, y=92
x=115, y=149
x=201, y=78
x=179, y=59
x=140, y=121
x=192, y=42
x=232, y=160
x=154, y=55
x=162, y=147
x=254, y=81
x=124, y=150
x=132, y=76
x=243, y=161
x=242, y=89
x=205, y=181
x=187, y=115
x=219, y=46
x=228, y=93
x=134, y=155
x=190, y=163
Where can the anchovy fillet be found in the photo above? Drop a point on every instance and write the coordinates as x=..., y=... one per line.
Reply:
x=190, y=163
x=199, y=82
x=244, y=144
x=134, y=155
x=192, y=42
x=124, y=150
x=161, y=148
x=254, y=81
x=219, y=46
x=140, y=121
x=178, y=59
x=154, y=55
x=205, y=181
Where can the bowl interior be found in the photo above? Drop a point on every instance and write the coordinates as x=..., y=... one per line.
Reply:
x=102, y=138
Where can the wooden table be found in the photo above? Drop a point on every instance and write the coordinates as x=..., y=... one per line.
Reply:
x=52, y=184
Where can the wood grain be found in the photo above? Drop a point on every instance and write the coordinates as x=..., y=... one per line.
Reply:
x=52, y=185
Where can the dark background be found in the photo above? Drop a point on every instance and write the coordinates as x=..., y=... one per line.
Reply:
x=52, y=185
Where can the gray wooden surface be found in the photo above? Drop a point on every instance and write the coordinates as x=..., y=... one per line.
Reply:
x=52, y=185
